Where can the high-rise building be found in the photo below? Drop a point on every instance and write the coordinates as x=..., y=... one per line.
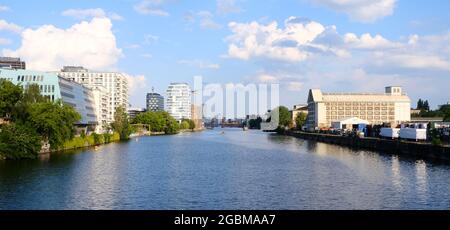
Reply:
x=179, y=101
x=13, y=63
x=54, y=88
x=111, y=84
x=102, y=101
x=155, y=102
x=393, y=107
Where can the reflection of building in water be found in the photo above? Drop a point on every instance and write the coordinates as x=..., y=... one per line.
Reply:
x=421, y=179
x=396, y=174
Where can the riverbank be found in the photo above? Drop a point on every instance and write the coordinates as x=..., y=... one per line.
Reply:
x=400, y=147
x=99, y=139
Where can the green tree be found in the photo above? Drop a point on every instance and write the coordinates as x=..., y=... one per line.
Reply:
x=18, y=141
x=426, y=106
x=121, y=124
x=31, y=95
x=284, y=117
x=172, y=126
x=184, y=125
x=420, y=104
x=191, y=124
x=156, y=120
x=54, y=122
x=10, y=95
x=445, y=110
x=300, y=120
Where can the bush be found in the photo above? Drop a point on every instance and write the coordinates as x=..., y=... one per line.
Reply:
x=436, y=141
x=19, y=141
x=107, y=138
x=98, y=139
x=184, y=125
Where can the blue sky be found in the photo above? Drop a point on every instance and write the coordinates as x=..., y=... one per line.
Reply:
x=352, y=45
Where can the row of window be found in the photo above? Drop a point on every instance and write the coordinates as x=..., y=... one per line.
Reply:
x=368, y=118
x=359, y=108
x=30, y=78
x=359, y=104
x=47, y=88
x=361, y=113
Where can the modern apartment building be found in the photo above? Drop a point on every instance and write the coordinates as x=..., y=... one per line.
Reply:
x=393, y=107
x=155, y=102
x=102, y=99
x=12, y=63
x=113, y=85
x=54, y=88
x=179, y=101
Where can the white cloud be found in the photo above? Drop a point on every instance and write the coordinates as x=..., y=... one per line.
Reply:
x=295, y=86
x=206, y=20
x=115, y=16
x=199, y=64
x=90, y=13
x=136, y=83
x=366, y=41
x=413, y=61
x=4, y=41
x=256, y=40
x=227, y=7
x=310, y=55
x=151, y=7
x=360, y=10
x=266, y=78
x=4, y=8
x=4, y=25
x=90, y=44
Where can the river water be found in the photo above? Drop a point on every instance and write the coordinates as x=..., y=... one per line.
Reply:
x=223, y=169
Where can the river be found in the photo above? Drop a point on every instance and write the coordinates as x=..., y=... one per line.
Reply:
x=223, y=169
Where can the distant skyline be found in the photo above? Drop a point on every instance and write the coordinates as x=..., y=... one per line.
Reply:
x=335, y=45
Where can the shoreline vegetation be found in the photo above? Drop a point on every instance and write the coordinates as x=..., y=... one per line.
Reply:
x=31, y=124
x=95, y=140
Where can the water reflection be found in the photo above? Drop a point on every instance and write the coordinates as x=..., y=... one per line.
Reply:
x=396, y=174
x=421, y=181
x=235, y=170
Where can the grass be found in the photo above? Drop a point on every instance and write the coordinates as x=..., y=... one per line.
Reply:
x=92, y=140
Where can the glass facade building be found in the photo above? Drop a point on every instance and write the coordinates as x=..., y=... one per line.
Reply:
x=155, y=102
x=54, y=88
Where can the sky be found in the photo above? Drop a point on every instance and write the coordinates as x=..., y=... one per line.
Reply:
x=335, y=45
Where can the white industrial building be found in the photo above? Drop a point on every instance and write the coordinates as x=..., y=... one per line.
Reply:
x=393, y=106
x=178, y=103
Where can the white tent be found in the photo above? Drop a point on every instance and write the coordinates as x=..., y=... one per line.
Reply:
x=348, y=123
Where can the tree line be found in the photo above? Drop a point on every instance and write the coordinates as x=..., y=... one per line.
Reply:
x=425, y=111
x=162, y=122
